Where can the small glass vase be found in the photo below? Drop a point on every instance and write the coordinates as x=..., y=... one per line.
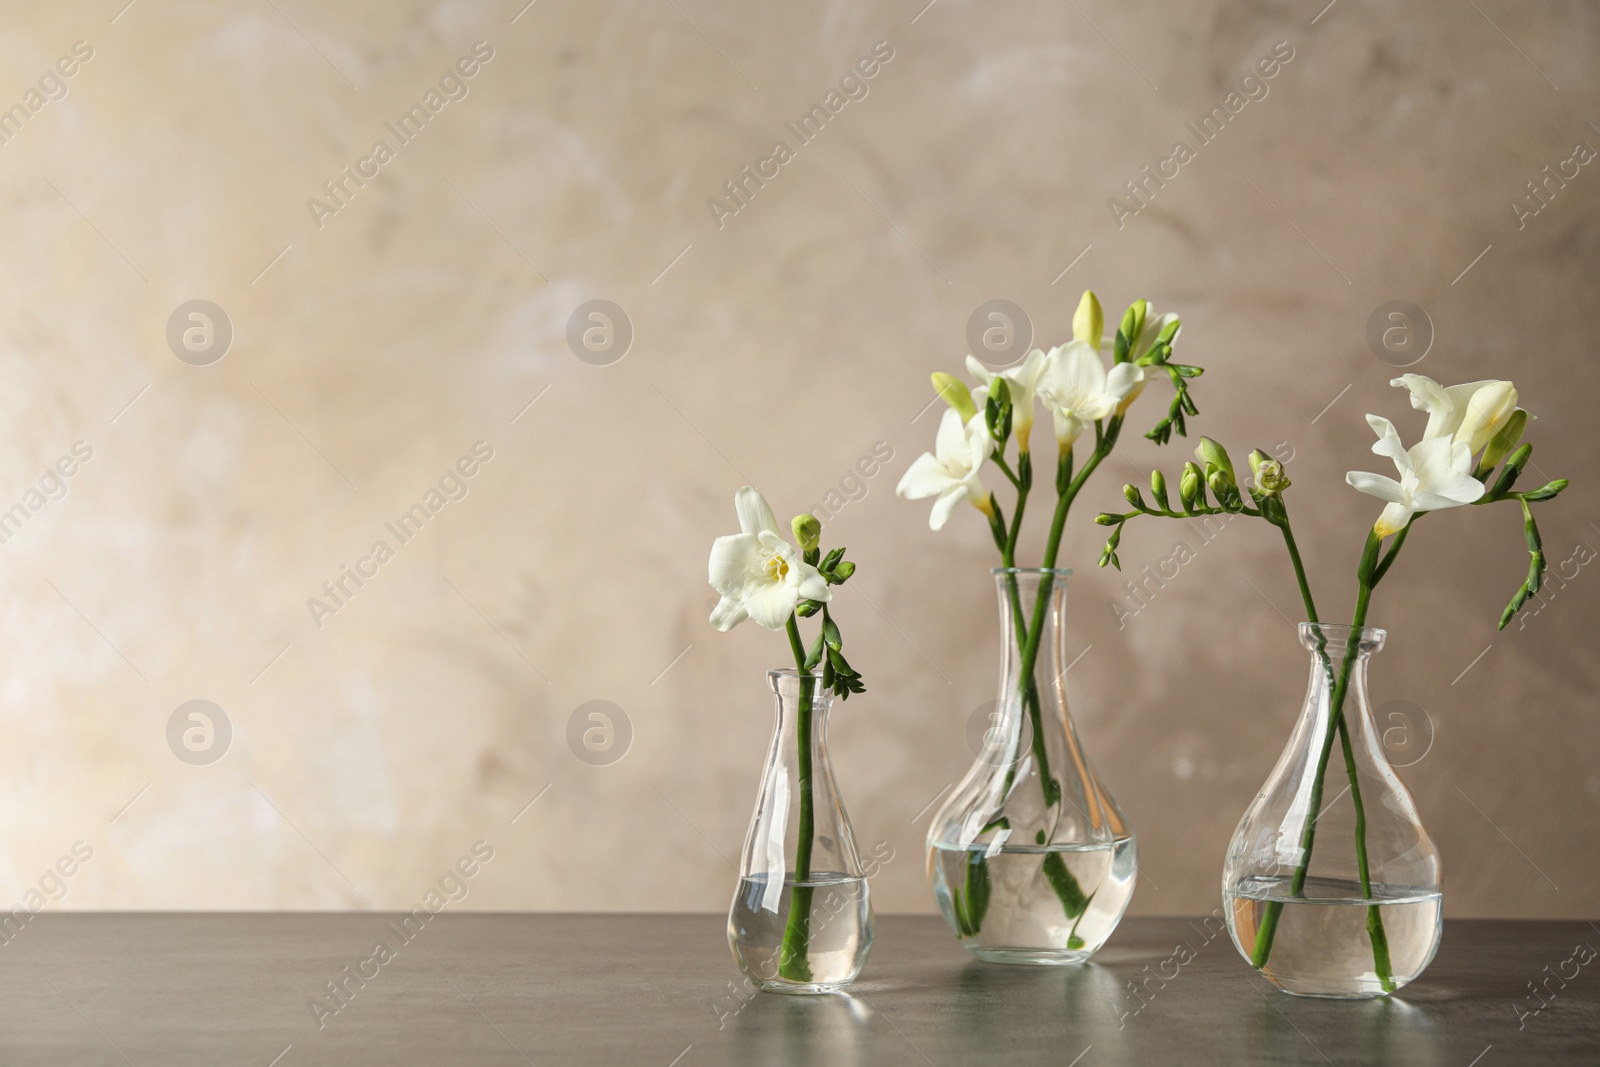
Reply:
x=801, y=920
x=1030, y=859
x=1331, y=881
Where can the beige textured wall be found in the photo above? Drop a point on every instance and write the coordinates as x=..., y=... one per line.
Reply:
x=431, y=309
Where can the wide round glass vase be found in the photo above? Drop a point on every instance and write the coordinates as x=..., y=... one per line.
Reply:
x=1030, y=859
x=801, y=919
x=1331, y=882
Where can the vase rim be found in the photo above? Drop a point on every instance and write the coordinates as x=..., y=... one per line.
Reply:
x=1057, y=572
x=1372, y=637
x=792, y=672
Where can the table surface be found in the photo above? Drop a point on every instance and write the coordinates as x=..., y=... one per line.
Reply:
x=662, y=991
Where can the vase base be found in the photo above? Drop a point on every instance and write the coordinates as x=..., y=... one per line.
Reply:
x=802, y=989
x=1031, y=957
x=1314, y=994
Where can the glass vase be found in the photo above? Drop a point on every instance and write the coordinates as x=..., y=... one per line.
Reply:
x=1331, y=882
x=801, y=920
x=1030, y=858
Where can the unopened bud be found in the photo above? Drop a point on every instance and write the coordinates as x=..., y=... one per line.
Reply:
x=1189, y=484
x=1269, y=475
x=953, y=391
x=1504, y=440
x=1133, y=324
x=1089, y=322
x=1158, y=489
x=807, y=530
x=1131, y=494
x=1214, y=456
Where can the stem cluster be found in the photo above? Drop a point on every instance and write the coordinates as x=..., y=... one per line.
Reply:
x=971, y=902
x=838, y=677
x=1266, y=501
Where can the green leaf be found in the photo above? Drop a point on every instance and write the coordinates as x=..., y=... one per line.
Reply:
x=1066, y=887
x=979, y=888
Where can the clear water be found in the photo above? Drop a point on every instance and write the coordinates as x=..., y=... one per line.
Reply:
x=1322, y=947
x=839, y=932
x=1046, y=904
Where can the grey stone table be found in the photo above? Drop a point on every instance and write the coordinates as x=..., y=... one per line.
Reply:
x=661, y=991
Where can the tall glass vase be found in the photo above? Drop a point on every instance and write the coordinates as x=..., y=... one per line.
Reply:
x=1030, y=858
x=801, y=920
x=1331, y=881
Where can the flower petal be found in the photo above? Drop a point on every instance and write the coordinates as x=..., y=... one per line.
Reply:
x=1486, y=411
x=727, y=614
x=925, y=477
x=1081, y=372
x=809, y=582
x=771, y=603
x=735, y=559
x=951, y=442
x=978, y=371
x=1068, y=427
x=1389, y=442
x=755, y=514
x=1125, y=383
x=945, y=505
x=1392, y=520
x=1376, y=485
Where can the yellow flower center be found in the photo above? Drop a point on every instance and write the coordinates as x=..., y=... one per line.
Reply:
x=777, y=568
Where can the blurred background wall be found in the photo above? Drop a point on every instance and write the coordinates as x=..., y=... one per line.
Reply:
x=379, y=323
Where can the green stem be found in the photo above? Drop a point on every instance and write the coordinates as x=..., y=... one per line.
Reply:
x=1299, y=567
x=793, y=961
x=1370, y=571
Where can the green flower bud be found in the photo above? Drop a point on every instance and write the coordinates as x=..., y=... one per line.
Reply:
x=843, y=571
x=1189, y=484
x=1131, y=494
x=1089, y=322
x=807, y=530
x=1158, y=489
x=1133, y=320
x=1213, y=455
x=1268, y=472
x=1505, y=440
x=955, y=393
x=1221, y=485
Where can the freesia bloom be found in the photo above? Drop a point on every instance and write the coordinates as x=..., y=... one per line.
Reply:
x=1022, y=380
x=1075, y=387
x=1471, y=414
x=758, y=573
x=1436, y=473
x=1152, y=327
x=950, y=472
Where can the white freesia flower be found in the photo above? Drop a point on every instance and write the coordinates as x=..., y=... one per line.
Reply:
x=1075, y=387
x=758, y=573
x=950, y=472
x=1153, y=325
x=1436, y=473
x=1471, y=414
x=1022, y=380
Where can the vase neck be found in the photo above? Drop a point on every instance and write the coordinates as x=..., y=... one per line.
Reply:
x=1032, y=603
x=1338, y=679
x=800, y=703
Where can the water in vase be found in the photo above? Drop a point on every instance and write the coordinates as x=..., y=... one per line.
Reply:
x=1322, y=946
x=1044, y=905
x=837, y=937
